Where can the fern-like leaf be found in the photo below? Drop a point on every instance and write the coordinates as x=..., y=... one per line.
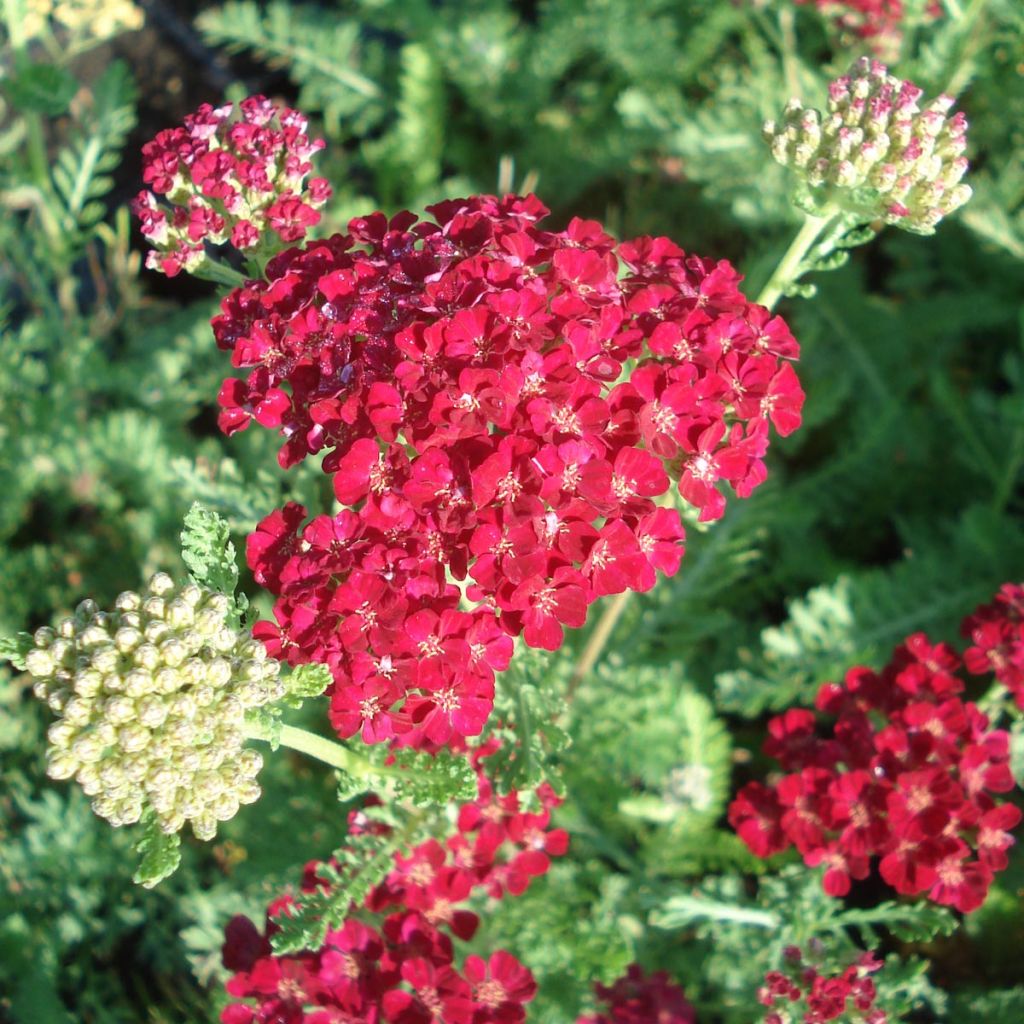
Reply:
x=81, y=172
x=319, y=50
x=352, y=872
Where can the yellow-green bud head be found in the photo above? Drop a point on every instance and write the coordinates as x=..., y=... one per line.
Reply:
x=150, y=700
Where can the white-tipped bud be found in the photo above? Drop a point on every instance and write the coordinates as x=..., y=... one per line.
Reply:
x=57, y=699
x=77, y=711
x=60, y=764
x=118, y=710
x=40, y=663
x=155, y=630
x=128, y=601
x=204, y=826
x=43, y=637
x=160, y=584
x=127, y=639
x=179, y=614
x=61, y=734
x=151, y=711
x=173, y=652
x=86, y=749
x=88, y=683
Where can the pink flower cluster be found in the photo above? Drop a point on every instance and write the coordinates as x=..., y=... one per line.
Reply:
x=394, y=960
x=230, y=174
x=879, y=20
x=905, y=773
x=996, y=632
x=822, y=997
x=500, y=406
x=636, y=998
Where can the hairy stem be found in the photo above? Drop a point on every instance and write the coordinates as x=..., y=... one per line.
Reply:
x=335, y=754
x=219, y=273
x=788, y=269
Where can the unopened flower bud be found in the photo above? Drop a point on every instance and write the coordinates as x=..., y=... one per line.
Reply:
x=61, y=764
x=151, y=699
x=874, y=135
x=179, y=614
x=155, y=630
x=43, y=637
x=40, y=662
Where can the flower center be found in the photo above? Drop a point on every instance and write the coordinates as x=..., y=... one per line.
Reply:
x=491, y=993
x=544, y=600
x=702, y=469
x=421, y=873
x=448, y=700
x=623, y=488
x=440, y=911
x=918, y=799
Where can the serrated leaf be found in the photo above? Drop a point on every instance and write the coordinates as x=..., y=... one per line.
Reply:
x=14, y=648
x=160, y=853
x=353, y=871
x=909, y=922
x=207, y=551
x=82, y=168
x=307, y=680
x=435, y=780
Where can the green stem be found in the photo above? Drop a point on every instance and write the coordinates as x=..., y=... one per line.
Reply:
x=788, y=269
x=219, y=274
x=325, y=750
x=598, y=638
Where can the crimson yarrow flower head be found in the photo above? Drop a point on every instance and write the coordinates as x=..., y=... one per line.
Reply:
x=803, y=992
x=232, y=174
x=996, y=632
x=880, y=22
x=501, y=408
x=639, y=998
x=906, y=772
x=877, y=151
x=394, y=959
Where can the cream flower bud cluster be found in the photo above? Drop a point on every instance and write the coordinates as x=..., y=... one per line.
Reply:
x=876, y=151
x=93, y=19
x=150, y=702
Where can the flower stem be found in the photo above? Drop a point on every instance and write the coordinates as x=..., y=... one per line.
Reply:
x=788, y=269
x=598, y=638
x=322, y=749
x=219, y=273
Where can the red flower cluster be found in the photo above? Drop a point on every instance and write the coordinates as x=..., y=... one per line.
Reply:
x=394, y=960
x=230, y=174
x=996, y=632
x=470, y=380
x=871, y=19
x=906, y=774
x=823, y=998
x=638, y=999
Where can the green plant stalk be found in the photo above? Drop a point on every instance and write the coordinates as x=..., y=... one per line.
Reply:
x=788, y=269
x=321, y=749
